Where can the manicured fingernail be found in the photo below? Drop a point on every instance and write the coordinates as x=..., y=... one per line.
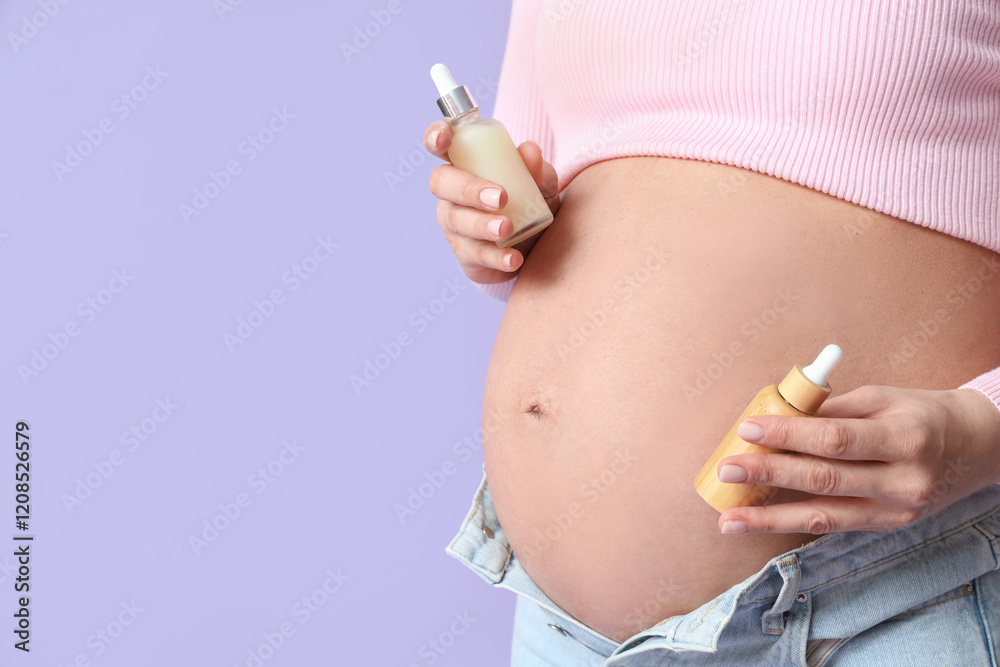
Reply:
x=734, y=527
x=731, y=474
x=508, y=259
x=432, y=138
x=750, y=432
x=490, y=197
x=493, y=226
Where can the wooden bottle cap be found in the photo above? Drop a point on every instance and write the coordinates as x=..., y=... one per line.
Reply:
x=802, y=393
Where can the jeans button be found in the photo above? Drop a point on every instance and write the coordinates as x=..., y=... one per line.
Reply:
x=488, y=531
x=801, y=597
x=559, y=629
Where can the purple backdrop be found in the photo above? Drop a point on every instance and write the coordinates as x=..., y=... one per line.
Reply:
x=214, y=214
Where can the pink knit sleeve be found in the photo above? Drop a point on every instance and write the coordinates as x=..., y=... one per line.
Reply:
x=499, y=290
x=519, y=104
x=988, y=383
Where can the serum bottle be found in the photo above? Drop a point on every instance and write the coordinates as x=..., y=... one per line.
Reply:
x=483, y=147
x=799, y=395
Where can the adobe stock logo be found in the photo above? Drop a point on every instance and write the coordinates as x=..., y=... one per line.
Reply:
x=37, y=21
x=420, y=320
x=59, y=340
x=233, y=509
x=121, y=107
x=264, y=309
x=138, y=434
x=364, y=34
x=303, y=611
x=102, y=639
x=223, y=7
x=249, y=149
x=435, y=647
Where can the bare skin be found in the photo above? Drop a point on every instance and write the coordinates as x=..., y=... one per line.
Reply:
x=665, y=294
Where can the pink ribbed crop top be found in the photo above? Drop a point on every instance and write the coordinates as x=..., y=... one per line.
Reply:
x=893, y=105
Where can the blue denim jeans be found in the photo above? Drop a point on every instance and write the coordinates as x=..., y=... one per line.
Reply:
x=925, y=594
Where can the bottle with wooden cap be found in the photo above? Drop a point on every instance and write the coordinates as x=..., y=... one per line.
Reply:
x=799, y=395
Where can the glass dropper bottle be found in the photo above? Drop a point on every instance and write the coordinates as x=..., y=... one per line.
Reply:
x=483, y=147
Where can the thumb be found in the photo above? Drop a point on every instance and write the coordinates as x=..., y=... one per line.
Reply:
x=531, y=153
x=864, y=401
x=543, y=172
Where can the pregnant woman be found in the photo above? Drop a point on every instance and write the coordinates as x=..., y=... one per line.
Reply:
x=737, y=184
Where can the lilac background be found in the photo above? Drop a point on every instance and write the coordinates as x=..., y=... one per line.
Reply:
x=162, y=336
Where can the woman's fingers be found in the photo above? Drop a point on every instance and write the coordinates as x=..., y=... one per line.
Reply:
x=829, y=437
x=473, y=223
x=818, y=516
x=475, y=256
x=469, y=209
x=543, y=173
x=864, y=401
x=437, y=139
x=910, y=453
x=460, y=187
x=468, y=212
x=531, y=153
x=814, y=475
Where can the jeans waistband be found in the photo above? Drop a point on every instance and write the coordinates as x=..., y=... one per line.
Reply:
x=482, y=546
x=843, y=577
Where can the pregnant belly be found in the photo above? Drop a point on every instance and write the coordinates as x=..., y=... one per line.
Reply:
x=663, y=297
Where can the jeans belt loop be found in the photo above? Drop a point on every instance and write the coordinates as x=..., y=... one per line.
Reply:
x=773, y=620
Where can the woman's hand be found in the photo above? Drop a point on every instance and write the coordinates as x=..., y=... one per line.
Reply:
x=877, y=458
x=468, y=206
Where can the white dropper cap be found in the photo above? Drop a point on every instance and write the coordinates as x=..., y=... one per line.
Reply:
x=443, y=79
x=818, y=371
x=455, y=100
